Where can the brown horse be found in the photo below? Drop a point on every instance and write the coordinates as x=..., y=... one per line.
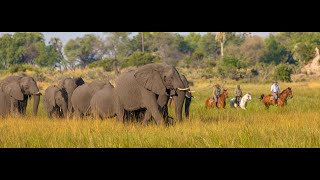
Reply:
x=221, y=101
x=282, y=99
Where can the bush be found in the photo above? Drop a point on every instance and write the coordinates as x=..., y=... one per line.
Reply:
x=106, y=64
x=283, y=73
x=229, y=67
x=22, y=68
x=140, y=59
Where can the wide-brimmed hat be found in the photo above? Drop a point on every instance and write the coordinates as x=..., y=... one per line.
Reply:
x=275, y=81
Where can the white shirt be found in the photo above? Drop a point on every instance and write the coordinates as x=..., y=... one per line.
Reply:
x=275, y=88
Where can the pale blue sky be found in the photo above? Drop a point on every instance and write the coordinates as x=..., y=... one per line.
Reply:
x=65, y=36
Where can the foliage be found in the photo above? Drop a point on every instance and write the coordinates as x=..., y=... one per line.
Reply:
x=283, y=73
x=139, y=59
x=83, y=51
x=106, y=64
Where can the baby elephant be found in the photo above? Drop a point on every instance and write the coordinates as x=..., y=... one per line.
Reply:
x=55, y=101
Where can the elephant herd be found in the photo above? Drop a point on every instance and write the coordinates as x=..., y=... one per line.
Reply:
x=140, y=94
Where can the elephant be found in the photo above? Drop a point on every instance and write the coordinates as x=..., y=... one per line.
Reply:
x=82, y=95
x=149, y=87
x=70, y=84
x=18, y=89
x=56, y=98
x=103, y=102
x=188, y=97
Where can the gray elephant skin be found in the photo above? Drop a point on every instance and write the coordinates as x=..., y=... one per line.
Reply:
x=55, y=101
x=82, y=95
x=148, y=87
x=14, y=93
x=70, y=84
x=188, y=97
x=103, y=102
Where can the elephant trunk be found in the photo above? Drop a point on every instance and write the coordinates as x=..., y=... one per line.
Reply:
x=65, y=110
x=187, y=107
x=36, y=104
x=178, y=102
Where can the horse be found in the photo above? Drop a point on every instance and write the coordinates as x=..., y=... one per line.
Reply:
x=282, y=99
x=210, y=103
x=243, y=101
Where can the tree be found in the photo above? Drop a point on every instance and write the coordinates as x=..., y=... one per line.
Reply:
x=208, y=46
x=118, y=44
x=57, y=45
x=221, y=38
x=25, y=48
x=283, y=73
x=166, y=46
x=275, y=52
x=83, y=51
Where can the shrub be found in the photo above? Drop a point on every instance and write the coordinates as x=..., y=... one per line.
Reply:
x=283, y=73
x=140, y=59
x=106, y=64
x=22, y=68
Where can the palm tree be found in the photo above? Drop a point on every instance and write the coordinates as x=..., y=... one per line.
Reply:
x=221, y=37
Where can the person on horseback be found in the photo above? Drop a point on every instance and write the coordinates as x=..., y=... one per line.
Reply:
x=238, y=93
x=216, y=93
x=275, y=89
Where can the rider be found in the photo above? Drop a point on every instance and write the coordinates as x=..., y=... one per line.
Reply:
x=238, y=93
x=216, y=93
x=275, y=89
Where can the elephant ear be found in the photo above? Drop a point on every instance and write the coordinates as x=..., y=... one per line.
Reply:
x=162, y=100
x=14, y=90
x=151, y=80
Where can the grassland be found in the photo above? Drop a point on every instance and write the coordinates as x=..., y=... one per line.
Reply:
x=296, y=125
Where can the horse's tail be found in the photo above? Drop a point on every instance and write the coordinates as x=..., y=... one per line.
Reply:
x=262, y=96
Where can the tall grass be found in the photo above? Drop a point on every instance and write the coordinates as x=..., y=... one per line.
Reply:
x=296, y=125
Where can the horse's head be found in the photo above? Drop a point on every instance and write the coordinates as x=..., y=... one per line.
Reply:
x=225, y=92
x=248, y=96
x=289, y=92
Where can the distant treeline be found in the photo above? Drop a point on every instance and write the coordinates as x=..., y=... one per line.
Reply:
x=225, y=54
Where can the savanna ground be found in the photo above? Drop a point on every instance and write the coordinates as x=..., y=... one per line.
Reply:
x=296, y=125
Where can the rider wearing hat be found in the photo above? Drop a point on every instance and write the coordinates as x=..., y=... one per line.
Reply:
x=238, y=93
x=216, y=93
x=275, y=89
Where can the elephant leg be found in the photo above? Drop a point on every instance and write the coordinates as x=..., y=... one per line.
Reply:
x=14, y=108
x=23, y=105
x=155, y=110
x=147, y=117
x=120, y=115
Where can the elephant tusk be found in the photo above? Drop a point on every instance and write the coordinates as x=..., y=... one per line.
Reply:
x=38, y=93
x=191, y=91
x=183, y=89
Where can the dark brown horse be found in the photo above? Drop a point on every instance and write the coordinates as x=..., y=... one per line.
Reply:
x=282, y=99
x=221, y=101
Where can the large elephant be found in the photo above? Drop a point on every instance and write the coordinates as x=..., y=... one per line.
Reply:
x=188, y=97
x=82, y=95
x=55, y=101
x=70, y=84
x=149, y=87
x=18, y=89
x=103, y=102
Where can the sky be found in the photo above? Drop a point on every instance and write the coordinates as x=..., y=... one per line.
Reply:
x=66, y=36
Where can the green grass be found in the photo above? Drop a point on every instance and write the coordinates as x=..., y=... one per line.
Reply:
x=296, y=125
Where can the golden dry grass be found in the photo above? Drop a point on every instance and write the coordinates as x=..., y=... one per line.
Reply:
x=296, y=125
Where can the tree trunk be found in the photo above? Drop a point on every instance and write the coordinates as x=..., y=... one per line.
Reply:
x=222, y=49
x=142, y=42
